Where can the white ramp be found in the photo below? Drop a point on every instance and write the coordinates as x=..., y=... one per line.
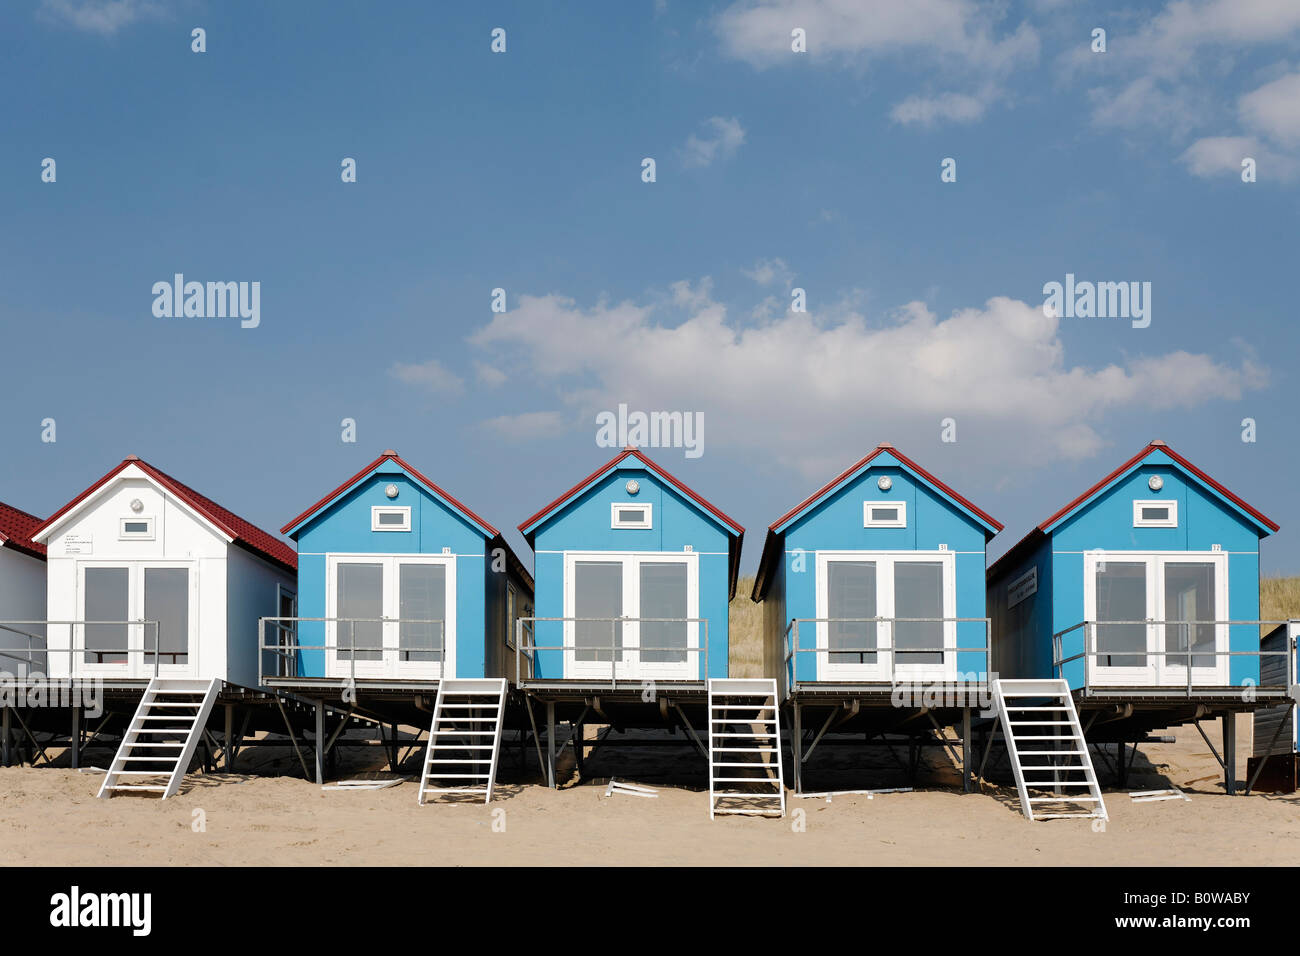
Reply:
x=745, y=748
x=464, y=738
x=1048, y=753
x=162, y=737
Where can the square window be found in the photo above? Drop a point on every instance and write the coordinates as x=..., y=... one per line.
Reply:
x=630, y=515
x=884, y=514
x=1155, y=514
x=390, y=518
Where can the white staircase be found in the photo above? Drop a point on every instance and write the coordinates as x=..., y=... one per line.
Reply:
x=745, y=748
x=1048, y=753
x=162, y=737
x=464, y=737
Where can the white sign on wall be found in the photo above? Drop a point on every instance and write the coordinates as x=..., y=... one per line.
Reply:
x=78, y=544
x=1022, y=587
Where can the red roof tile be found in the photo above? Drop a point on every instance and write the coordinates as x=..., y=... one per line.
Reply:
x=242, y=532
x=16, y=530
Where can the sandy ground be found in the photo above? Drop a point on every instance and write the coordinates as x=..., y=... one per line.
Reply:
x=50, y=816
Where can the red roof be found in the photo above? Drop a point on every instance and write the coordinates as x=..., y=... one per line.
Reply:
x=388, y=455
x=848, y=473
x=233, y=526
x=613, y=463
x=1152, y=447
x=16, y=530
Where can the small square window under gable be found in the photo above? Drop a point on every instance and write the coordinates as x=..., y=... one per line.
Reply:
x=390, y=518
x=884, y=514
x=631, y=514
x=1155, y=514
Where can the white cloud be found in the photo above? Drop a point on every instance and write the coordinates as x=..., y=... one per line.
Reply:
x=929, y=110
x=105, y=17
x=1274, y=109
x=955, y=36
x=722, y=137
x=489, y=375
x=432, y=375
x=1222, y=155
x=529, y=425
x=767, y=271
x=800, y=384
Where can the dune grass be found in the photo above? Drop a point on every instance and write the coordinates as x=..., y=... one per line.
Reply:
x=1279, y=599
x=745, y=633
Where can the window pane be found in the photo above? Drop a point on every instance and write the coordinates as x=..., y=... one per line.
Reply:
x=918, y=592
x=1189, y=596
x=107, y=597
x=663, y=594
x=630, y=516
x=1155, y=514
x=1121, y=596
x=851, y=593
x=422, y=597
x=392, y=517
x=136, y=527
x=597, y=593
x=360, y=595
x=884, y=514
x=167, y=601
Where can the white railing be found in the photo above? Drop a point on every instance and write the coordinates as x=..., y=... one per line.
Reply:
x=1184, y=657
x=620, y=655
x=887, y=649
x=37, y=659
x=285, y=650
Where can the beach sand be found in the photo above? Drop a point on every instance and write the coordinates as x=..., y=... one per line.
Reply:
x=51, y=816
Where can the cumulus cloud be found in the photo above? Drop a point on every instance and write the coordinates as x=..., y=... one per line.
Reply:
x=768, y=271
x=800, y=384
x=721, y=138
x=956, y=37
x=104, y=17
x=432, y=375
x=1274, y=109
x=529, y=425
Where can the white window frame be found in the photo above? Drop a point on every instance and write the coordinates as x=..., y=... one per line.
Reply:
x=139, y=637
x=377, y=510
x=631, y=668
x=148, y=535
x=869, y=522
x=1169, y=522
x=618, y=524
x=389, y=665
x=885, y=562
x=1158, y=672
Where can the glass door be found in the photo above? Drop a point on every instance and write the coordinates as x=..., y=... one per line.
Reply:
x=356, y=636
x=597, y=646
x=167, y=600
x=919, y=644
x=1118, y=598
x=1193, y=595
x=423, y=621
x=851, y=593
x=664, y=592
x=107, y=638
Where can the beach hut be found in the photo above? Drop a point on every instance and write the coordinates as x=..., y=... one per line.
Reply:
x=1142, y=594
x=634, y=574
x=404, y=594
x=22, y=594
x=1274, y=764
x=154, y=592
x=22, y=611
x=873, y=606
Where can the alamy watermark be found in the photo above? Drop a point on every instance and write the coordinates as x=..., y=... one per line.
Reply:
x=651, y=430
x=211, y=300
x=38, y=691
x=1098, y=300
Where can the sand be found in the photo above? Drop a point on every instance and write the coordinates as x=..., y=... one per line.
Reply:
x=50, y=816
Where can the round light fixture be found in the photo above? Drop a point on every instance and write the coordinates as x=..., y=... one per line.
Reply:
x=632, y=486
x=884, y=482
x=391, y=491
x=137, y=505
x=1155, y=482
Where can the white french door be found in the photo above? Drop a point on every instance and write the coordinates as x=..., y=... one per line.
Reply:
x=626, y=615
x=393, y=616
x=1125, y=593
x=115, y=596
x=852, y=585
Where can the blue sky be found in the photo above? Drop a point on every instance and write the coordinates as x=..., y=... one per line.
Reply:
x=775, y=170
